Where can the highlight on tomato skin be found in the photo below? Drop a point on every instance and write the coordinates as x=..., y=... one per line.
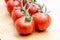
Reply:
x=23, y=26
x=42, y=21
x=11, y=4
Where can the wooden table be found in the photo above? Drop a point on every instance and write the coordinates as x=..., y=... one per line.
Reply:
x=8, y=30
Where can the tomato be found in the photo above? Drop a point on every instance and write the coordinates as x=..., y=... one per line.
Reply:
x=42, y=21
x=23, y=26
x=33, y=8
x=11, y=4
x=17, y=13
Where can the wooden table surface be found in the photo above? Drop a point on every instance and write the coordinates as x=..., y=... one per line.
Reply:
x=8, y=30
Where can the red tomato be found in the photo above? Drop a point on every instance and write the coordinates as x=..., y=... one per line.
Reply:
x=42, y=21
x=17, y=13
x=33, y=8
x=23, y=26
x=11, y=4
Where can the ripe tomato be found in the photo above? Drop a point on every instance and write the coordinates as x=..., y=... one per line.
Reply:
x=17, y=13
x=32, y=8
x=11, y=4
x=23, y=26
x=42, y=21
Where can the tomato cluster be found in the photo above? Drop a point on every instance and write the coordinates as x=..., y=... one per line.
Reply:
x=28, y=16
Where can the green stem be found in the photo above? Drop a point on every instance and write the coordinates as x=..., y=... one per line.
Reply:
x=21, y=4
x=23, y=8
x=33, y=1
x=28, y=17
x=45, y=9
x=42, y=9
x=27, y=1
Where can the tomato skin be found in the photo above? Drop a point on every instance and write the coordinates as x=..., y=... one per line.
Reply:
x=24, y=27
x=11, y=4
x=33, y=8
x=17, y=13
x=42, y=21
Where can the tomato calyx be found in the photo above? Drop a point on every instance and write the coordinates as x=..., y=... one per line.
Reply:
x=28, y=17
